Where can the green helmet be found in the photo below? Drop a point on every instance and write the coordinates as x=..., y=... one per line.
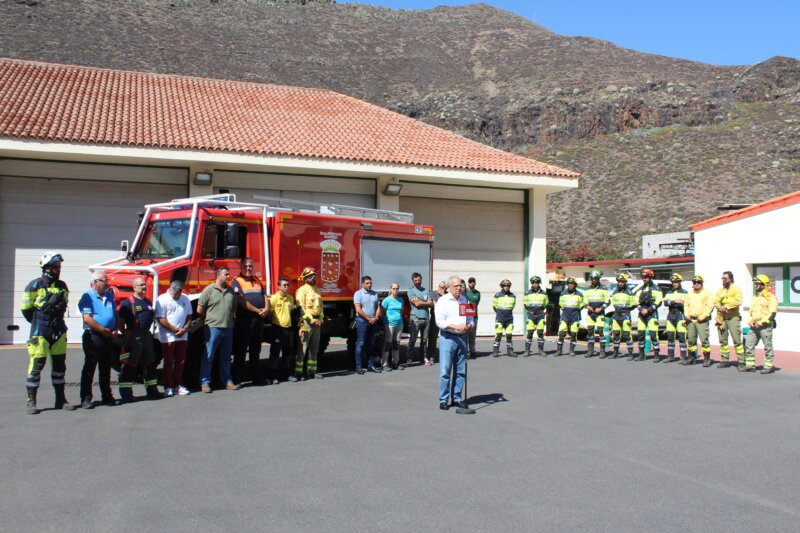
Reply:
x=595, y=274
x=536, y=279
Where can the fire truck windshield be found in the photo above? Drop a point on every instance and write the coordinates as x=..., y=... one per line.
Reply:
x=164, y=239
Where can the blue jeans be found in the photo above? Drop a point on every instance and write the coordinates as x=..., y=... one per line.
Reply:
x=217, y=339
x=452, y=352
x=366, y=334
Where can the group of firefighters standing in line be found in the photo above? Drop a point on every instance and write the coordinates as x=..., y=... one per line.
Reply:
x=233, y=316
x=688, y=319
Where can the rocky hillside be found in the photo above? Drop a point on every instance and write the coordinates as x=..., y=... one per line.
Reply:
x=660, y=140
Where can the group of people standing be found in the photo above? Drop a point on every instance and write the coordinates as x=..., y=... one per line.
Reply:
x=232, y=316
x=688, y=319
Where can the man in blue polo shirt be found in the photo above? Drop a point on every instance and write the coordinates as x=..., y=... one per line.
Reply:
x=99, y=312
x=365, y=301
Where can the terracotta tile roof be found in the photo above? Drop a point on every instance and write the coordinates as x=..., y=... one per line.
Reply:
x=749, y=211
x=65, y=103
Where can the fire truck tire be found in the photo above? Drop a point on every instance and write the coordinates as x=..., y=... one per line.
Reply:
x=324, y=342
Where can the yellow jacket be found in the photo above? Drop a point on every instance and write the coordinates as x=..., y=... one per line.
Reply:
x=309, y=299
x=763, y=306
x=730, y=298
x=699, y=304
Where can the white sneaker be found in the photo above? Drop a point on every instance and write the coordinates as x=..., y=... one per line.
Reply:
x=183, y=391
x=168, y=393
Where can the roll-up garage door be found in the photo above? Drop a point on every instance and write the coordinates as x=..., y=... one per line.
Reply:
x=319, y=189
x=83, y=220
x=480, y=239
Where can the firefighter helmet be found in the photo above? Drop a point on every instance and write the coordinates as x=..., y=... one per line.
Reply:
x=536, y=279
x=595, y=274
x=622, y=276
x=761, y=278
x=698, y=279
x=649, y=273
x=676, y=277
x=308, y=271
x=50, y=257
x=505, y=283
x=572, y=280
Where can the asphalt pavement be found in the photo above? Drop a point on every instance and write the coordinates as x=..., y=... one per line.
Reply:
x=557, y=444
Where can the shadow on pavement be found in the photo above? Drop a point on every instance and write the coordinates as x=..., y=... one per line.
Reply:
x=486, y=399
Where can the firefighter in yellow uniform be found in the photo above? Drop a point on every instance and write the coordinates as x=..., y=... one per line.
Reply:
x=698, y=306
x=536, y=312
x=676, y=320
x=503, y=305
x=571, y=302
x=649, y=298
x=309, y=300
x=729, y=321
x=596, y=297
x=623, y=302
x=44, y=303
x=761, y=320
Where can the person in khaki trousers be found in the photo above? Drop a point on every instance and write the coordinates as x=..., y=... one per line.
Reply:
x=729, y=321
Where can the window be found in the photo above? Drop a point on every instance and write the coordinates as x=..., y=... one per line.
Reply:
x=214, y=242
x=165, y=239
x=784, y=282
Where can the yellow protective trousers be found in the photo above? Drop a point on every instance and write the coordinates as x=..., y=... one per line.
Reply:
x=39, y=349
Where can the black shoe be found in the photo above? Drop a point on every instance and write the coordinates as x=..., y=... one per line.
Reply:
x=443, y=406
x=110, y=402
x=462, y=405
x=360, y=371
x=641, y=357
x=87, y=404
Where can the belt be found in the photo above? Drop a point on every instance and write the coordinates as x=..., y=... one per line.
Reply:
x=452, y=333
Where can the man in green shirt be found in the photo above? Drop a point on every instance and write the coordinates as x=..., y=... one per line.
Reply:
x=217, y=305
x=474, y=297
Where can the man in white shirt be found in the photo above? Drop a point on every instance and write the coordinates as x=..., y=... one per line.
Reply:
x=451, y=312
x=174, y=312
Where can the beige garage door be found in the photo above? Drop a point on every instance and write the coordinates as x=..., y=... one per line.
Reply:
x=480, y=239
x=83, y=220
x=318, y=189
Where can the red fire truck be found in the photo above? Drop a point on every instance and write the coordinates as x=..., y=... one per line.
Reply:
x=187, y=239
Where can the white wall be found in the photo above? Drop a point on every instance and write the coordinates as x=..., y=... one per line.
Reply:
x=736, y=246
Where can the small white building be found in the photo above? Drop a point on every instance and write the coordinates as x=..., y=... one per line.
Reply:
x=667, y=244
x=751, y=241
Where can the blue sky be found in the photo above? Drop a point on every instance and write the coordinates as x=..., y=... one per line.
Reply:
x=713, y=31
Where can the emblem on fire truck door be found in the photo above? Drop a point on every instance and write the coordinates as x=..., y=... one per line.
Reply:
x=330, y=260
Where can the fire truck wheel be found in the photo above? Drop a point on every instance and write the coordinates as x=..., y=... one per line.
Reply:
x=324, y=342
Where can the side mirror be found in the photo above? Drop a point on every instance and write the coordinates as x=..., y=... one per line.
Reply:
x=231, y=235
x=232, y=251
x=123, y=246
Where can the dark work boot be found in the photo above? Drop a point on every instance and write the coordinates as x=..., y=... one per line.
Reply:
x=31, y=408
x=559, y=350
x=527, y=352
x=641, y=356
x=706, y=360
x=61, y=399
x=496, y=350
x=152, y=393
x=723, y=364
x=631, y=357
x=616, y=353
x=510, y=351
x=126, y=395
x=572, y=351
x=768, y=370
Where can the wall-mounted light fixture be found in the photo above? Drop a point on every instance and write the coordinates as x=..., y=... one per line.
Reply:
x=202, y=178
x=393, y=189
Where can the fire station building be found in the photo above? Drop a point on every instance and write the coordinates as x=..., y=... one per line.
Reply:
x=83, y=149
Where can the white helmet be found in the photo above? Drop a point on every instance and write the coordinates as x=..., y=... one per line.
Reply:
x=50, y=257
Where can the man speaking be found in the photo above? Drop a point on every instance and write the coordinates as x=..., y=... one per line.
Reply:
x=452, y=311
